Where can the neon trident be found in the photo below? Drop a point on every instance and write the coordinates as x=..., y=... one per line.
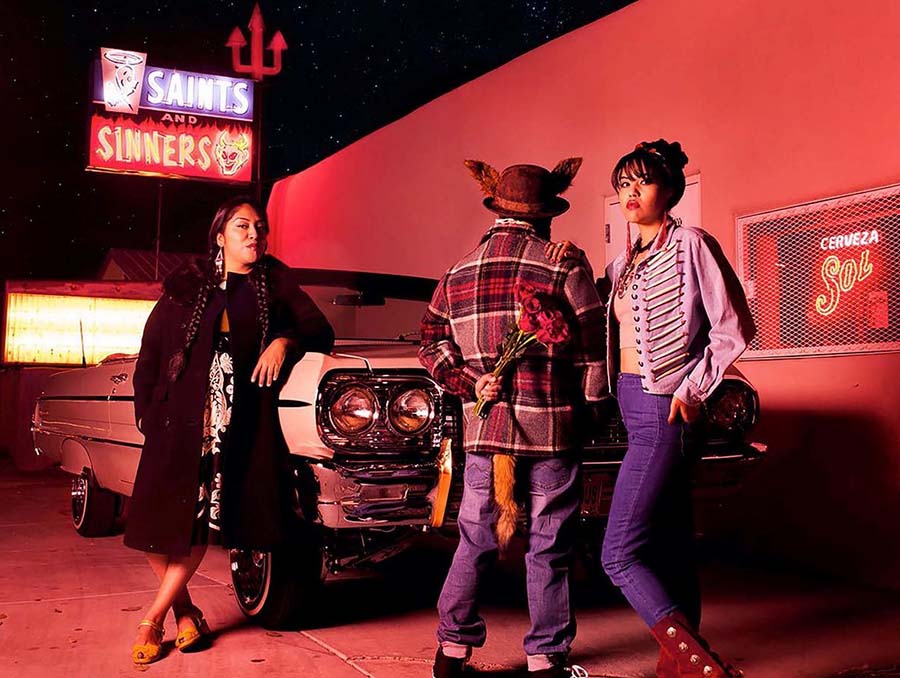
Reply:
x=255, y=68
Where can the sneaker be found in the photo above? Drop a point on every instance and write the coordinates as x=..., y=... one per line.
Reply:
x=560, y=671
x=448, y=667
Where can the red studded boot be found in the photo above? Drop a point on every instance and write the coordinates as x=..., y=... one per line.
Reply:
x=666, y=667
x=689, y=650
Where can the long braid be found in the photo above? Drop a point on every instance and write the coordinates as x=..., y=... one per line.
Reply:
x=259, y=280
x=178, y=360
x=624, y=278
x=637, y=247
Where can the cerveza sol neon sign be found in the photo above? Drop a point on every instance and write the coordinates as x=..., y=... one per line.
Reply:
x=839, y=277
x=858, y=239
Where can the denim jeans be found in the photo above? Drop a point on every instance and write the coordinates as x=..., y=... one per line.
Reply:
x=648, y=549
x=553, y=499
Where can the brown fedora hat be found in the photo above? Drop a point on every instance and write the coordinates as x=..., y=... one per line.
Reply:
x=525, y=191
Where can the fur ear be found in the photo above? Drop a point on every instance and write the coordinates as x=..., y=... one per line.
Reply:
x=564, y=172
x=486, y=176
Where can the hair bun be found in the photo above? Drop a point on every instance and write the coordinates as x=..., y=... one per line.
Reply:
x=674, y=157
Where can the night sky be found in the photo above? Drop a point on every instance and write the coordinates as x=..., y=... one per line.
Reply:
x=351, y=67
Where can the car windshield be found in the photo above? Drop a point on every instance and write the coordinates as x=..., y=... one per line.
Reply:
x=373, y=306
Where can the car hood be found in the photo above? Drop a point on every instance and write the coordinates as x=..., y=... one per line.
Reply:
x=377, y=353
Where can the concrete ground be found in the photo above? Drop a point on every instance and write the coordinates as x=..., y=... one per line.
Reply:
x=69, y=606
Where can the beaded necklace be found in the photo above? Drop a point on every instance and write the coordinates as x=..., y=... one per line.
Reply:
x=628, y=273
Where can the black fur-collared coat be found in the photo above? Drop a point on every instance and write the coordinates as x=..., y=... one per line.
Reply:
x=256, y=494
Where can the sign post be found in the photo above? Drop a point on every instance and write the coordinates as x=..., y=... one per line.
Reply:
x=168, y=123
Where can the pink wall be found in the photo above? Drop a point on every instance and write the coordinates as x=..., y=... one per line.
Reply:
x=775, y=103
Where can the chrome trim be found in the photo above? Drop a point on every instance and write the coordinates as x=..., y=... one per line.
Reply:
x=380, y=440
x=375, y=494
x=91, y=439
x=355, y=357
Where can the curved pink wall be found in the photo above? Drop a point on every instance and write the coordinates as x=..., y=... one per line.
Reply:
x=775, y=103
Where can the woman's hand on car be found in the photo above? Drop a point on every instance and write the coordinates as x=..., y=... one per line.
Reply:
x=269, y=364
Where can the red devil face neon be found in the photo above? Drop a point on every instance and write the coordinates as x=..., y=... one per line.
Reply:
x=232, y=153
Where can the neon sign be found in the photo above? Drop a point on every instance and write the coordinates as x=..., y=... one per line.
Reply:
x=198, y=93
x=177, y=146
x=841, y=276
x=823, y=277
x=126, y=84
x=123, y=75
x=858, y=239
x=169, y=123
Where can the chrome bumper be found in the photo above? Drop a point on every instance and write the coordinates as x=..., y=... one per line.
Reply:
x=384, y=493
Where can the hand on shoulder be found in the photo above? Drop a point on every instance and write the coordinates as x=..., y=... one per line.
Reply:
x=565, y=249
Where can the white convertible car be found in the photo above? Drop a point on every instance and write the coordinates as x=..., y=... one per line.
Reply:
x=375, y=445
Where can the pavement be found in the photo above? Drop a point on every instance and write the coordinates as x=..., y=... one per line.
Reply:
x=69, y=607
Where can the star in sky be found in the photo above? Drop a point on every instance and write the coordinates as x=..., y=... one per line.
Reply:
x=350, y=68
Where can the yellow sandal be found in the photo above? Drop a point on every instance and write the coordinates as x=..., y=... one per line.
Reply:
x=190, y=636
x=147, y=653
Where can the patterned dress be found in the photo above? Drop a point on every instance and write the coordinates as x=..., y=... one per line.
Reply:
x=216, y=422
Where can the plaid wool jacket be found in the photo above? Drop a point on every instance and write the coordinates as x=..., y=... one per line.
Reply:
x=543, y=395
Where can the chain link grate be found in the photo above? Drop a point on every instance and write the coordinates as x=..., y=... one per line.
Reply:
x=824, y=277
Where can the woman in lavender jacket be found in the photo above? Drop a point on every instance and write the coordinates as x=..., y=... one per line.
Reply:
x=677, y=318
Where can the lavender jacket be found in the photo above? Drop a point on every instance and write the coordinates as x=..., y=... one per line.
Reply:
x=690, y=315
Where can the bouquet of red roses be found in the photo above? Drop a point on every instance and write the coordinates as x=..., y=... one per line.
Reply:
x=538, y=320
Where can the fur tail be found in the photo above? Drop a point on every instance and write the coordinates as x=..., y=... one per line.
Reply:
x=504, y=497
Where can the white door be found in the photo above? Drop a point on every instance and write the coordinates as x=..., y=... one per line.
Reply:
x=688, y=210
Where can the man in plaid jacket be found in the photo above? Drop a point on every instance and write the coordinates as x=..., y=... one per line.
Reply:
x=532, y=431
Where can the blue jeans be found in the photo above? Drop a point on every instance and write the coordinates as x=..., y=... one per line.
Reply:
x=648, y=549
x=554, y=495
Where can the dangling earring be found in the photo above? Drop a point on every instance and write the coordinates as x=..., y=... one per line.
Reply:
x=220, y=263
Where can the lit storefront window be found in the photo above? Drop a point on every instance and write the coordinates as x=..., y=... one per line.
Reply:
x=66, y=330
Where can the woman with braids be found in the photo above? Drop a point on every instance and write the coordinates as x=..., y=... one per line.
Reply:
x=215, y=352
x=677, y=318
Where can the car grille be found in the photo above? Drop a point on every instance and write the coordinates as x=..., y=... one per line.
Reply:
x=608, y=445
x=613, y=435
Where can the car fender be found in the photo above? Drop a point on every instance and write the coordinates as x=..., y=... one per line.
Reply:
x=74, y=457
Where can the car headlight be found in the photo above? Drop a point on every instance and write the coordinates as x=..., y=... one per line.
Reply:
x=354, y=410
x=411, y=411
x=733, y=408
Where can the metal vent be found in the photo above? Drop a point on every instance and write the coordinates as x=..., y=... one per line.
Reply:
x=824, y=277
